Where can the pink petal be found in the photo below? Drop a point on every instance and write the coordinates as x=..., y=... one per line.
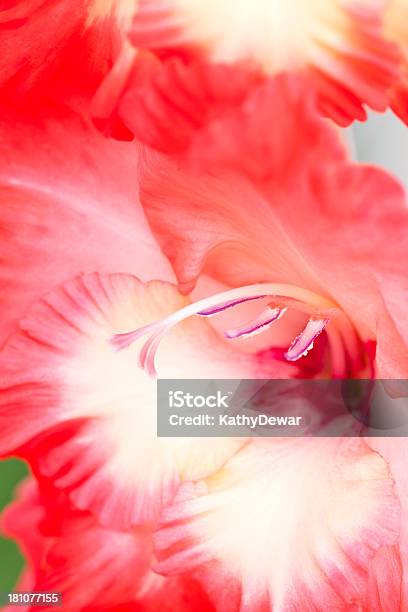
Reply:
x=286, y=524
x=256, y=190
x=77, y=406
x=395, y=453
x=69, y=204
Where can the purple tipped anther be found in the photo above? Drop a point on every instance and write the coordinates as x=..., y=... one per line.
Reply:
x=258, y=325
x=209, y=312
x=303, y=343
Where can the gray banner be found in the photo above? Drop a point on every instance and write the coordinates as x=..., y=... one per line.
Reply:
x=284, y=408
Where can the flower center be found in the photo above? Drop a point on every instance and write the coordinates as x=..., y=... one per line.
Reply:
x=323, y=315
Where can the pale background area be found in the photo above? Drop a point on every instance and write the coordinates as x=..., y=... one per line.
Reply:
x=382, y=140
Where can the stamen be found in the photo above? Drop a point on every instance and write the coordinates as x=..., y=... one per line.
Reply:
x=258, y=325
x=320, y=310
x=303, y=343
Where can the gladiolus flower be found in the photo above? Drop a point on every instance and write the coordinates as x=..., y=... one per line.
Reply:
x=79, y=408
x=290, y=262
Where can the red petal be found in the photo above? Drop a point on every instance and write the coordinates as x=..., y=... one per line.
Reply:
x=50, y=51
x=166, y=104
x=340, y=45
x=95, y=568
